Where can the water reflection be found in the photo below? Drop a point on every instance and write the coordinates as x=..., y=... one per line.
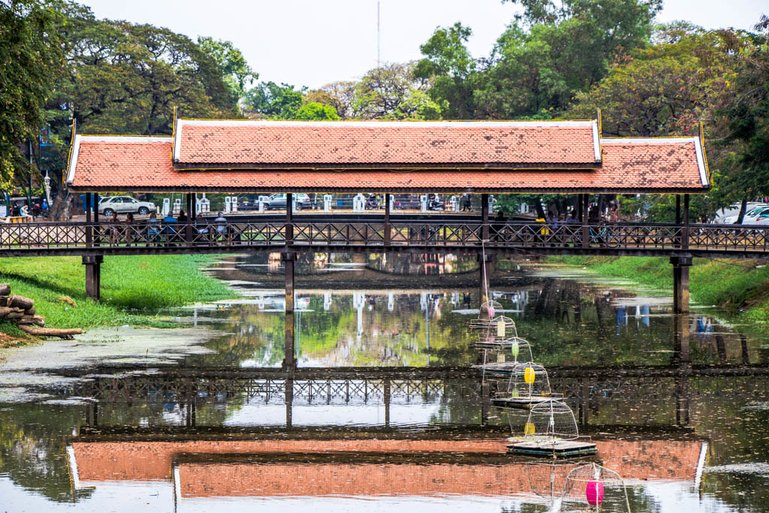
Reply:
x=377, y=383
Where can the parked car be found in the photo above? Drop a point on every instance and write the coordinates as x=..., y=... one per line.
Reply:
x=125, y=205
x=278, y=202
x=756, y=215
x=733, y=210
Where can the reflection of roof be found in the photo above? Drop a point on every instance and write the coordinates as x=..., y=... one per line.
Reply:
x=386, y=157
x=152, y=460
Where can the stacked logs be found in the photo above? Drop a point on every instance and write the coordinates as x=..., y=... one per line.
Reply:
x=21, y=311
x=18, y=309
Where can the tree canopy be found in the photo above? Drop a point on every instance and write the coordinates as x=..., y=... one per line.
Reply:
x=30, y=57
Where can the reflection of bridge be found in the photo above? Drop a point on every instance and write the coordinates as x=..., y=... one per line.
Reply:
x=587, y=388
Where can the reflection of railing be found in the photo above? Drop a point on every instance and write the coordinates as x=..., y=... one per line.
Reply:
x=436, y=234
x=360, y=386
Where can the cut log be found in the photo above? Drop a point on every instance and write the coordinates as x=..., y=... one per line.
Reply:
x=30, y=311
x=5, y=289
x=13, y=316
x=4, y=311
x=28, y=319
x=50, y=332
x=21, y=302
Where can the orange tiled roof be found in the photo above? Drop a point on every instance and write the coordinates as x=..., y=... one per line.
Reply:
x=269, y=144
x=110, y=163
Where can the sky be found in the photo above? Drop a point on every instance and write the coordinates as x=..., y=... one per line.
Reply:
x=315, y=42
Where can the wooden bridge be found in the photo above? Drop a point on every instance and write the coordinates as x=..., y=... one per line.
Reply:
x=386, y=158
x=437, y=234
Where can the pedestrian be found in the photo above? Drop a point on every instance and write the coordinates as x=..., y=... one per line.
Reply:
x=114, y=229
x=129, y=221
x=467, y=204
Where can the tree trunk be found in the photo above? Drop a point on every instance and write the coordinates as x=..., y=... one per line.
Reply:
x=743, y=208
x=50, y=332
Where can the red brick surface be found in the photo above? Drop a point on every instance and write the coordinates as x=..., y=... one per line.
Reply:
x=260, y=143
x=629, y=165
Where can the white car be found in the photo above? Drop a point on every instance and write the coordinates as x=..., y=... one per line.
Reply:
x=756, y=215
x=733, y=210
x=125, y=205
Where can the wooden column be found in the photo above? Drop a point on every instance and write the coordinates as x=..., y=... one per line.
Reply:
x=485, y=217
x=289, y=402
x=289, y=218
x=289, y=258
x=88, y=221
x=485, y=402
x=681, y=265
x=387, y=400
x=584, y=219
x=289, y=359
x=189, y=209
x=387, y=227
x=92, y=265
x=681, y=358
x=685, y=230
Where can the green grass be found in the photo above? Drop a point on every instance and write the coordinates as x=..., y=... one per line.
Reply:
x=736, y=285
x=133, y=288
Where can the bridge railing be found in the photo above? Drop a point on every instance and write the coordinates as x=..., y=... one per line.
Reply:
x=400, y=234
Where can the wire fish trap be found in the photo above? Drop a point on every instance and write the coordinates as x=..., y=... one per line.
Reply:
x=488, y=311
x=551, y=431
x=527, y=385
x=547, y=480
x=516, y=347
x=592, y=487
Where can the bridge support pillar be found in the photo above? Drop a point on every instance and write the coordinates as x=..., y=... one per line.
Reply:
x=681, y=265
x=289, y=360
x=288, y=266
x=92, y=265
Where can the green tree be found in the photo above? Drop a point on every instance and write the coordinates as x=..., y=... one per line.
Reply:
x=30, y=60
x=126, y=78
x=317, y=111
x=667, y=88
x=746, y=120
x=271, y=100
x=548, y=54
x=449, y=68
x=236, y=72
x=393, y=92
x=340, y=95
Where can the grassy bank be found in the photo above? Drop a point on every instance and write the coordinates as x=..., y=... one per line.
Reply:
x=740, y=286
x=133, y=288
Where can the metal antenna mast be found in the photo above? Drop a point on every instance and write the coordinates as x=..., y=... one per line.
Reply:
x=378, y=36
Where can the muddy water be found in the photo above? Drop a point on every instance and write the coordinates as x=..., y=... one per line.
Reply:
x=385, y=409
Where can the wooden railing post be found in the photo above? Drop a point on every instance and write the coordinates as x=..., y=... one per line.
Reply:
x=585, y=226
x=289, y=219
x=485, y=218
x=387, y=227
x=88, y=221
x=685, y=229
